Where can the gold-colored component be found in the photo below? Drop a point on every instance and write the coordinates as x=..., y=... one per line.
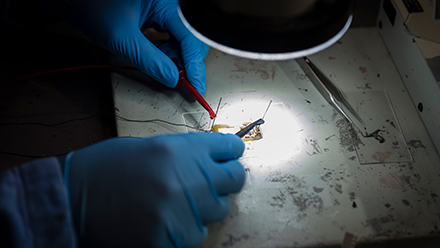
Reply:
x=221, y=128
x=254, y=134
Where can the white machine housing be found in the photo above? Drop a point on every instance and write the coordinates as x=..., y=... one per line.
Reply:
x=411, y=33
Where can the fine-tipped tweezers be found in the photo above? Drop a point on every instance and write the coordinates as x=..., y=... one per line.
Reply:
x=331, y=93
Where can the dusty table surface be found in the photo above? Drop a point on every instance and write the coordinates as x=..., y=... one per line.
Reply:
x=310, y=181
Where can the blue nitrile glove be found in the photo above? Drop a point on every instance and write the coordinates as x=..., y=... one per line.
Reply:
x=115, y=25
x=152, y=192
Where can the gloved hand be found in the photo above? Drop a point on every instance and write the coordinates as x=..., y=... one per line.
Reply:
x=115, y=25
x=152, y=192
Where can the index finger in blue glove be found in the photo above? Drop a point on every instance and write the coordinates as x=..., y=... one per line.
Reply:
x=221, y=147
x=147, y=57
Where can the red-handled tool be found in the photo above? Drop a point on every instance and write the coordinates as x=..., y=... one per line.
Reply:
x=183, y=81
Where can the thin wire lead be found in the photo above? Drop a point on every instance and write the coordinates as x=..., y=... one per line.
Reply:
x=158, y=120
x=216, y=112
x=268, y=106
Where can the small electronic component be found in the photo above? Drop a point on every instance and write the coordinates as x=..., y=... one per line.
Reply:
x=221, y=128
x=248, y=131
x=254, y=134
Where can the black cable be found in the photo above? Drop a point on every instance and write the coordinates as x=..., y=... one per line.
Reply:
x=48, y=125
x=158, y=120
x=79, y=119
x=89, y=117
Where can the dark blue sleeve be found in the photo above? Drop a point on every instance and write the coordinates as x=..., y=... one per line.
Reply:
x=34, y=211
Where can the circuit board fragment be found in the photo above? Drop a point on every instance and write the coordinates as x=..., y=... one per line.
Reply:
x=254, y=134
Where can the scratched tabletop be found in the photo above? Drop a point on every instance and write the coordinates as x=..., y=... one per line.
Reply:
x=311, y=179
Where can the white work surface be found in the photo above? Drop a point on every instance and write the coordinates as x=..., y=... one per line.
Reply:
x=306, y=186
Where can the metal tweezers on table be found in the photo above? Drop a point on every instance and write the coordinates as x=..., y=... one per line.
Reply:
x=332, y=94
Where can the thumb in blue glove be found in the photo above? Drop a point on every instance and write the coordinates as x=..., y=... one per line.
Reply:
x=115, y=25
x=155, y=192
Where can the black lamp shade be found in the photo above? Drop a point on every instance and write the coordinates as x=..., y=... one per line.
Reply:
x=262, y=29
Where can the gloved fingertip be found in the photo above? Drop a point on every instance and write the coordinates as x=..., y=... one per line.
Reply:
x=151, y=60
x=166, y=73
x=173, y=75
x=237, y=143
x=236, y=139
x=221, y=147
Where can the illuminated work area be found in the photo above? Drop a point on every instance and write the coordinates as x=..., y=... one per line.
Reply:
x=311, y=180
x=343, y=159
